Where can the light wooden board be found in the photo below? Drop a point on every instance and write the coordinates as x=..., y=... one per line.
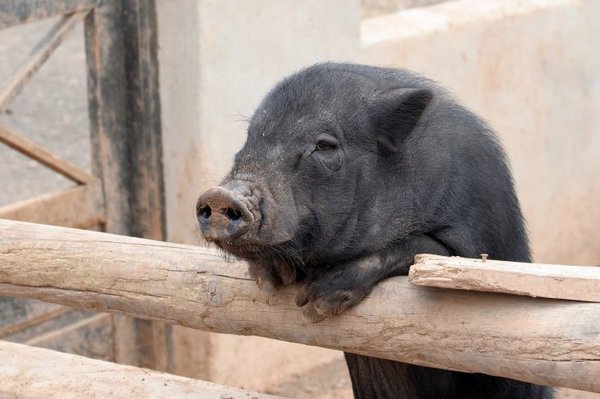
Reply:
x=578, y=283
x=42, y=155
x=81, y=207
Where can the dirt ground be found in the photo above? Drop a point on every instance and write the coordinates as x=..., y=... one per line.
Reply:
x=52, y=110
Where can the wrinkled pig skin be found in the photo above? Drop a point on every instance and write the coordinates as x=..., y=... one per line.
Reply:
x=347, y=173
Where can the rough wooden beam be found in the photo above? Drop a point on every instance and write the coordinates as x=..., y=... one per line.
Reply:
x=15, y=12
x=35, y=151
x=578, y=283
x=143, y=120
x=543, y=341
x=10, y=329
x=40, y=53
x=80, y=207
x=28, y=372
x=107, y=100
x=121, y=45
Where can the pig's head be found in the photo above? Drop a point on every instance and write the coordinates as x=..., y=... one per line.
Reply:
x=325, y=174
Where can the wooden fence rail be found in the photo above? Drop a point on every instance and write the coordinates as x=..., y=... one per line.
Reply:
x=545, y=341
x=27, y=372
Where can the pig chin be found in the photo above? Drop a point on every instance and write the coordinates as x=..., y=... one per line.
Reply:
x=248, y=251
x=262, y=242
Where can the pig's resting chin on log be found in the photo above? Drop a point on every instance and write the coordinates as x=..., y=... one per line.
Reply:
x=347, y=173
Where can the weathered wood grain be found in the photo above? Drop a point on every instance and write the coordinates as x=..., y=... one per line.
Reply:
x=40, y=53
x=542, y=341
x=10, y=329
x=42, y=155
x=28, y=372
x=16, y=12
x=81, y=207
x=579, y=283
x=121, y=46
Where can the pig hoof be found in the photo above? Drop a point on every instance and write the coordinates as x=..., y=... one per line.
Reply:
x=328, y=304
x=286, y=274
x=311, y=314
x=265, y=279
x=265, y=285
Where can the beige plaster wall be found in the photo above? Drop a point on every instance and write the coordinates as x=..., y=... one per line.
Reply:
x=530, y=67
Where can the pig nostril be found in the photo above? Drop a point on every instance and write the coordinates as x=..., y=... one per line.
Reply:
x=204, y=212
x=233, y=214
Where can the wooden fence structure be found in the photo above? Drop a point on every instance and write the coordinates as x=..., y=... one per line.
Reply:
x=544, y=341
x=123, y=192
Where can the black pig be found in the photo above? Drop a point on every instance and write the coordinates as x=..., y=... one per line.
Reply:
x=348, y=171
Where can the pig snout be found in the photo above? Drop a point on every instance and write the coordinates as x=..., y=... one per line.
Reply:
x=223, y=214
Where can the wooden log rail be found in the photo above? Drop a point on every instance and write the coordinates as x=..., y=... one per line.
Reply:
x=544, y=341
x=27, y=372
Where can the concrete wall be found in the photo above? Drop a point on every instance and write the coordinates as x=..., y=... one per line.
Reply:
x=530, y=67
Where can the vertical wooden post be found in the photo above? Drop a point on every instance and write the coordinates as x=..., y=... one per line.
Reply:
x=143, y=123
x=124, y=109
x=107, y=99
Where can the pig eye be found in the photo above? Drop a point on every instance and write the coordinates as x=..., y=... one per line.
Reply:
x=326, y=144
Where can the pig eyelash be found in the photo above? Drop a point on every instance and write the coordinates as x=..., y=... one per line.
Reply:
x=325, y=143
x=323, y=146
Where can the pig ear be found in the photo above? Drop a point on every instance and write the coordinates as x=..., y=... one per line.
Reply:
x=394, y=115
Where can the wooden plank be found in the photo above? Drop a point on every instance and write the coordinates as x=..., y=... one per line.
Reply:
x=146, y=190
x=14, y=328
x=107, y=105
x=43, y=156
x=28, y=372
x=543, y=341
x=125, y=133
x=125, y=115
x=142, y=343
x=41, y=52
x=16, y=12
x=17, y=311
x=90, y=337
x=144, y=123
x=107, y=97
x=53, y=324
x=578, y=283
x=80, y=207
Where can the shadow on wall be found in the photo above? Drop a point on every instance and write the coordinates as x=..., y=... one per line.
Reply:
x=372, y=8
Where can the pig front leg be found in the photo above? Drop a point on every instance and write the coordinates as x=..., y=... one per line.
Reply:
x=271, y=275
x=333, y=290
